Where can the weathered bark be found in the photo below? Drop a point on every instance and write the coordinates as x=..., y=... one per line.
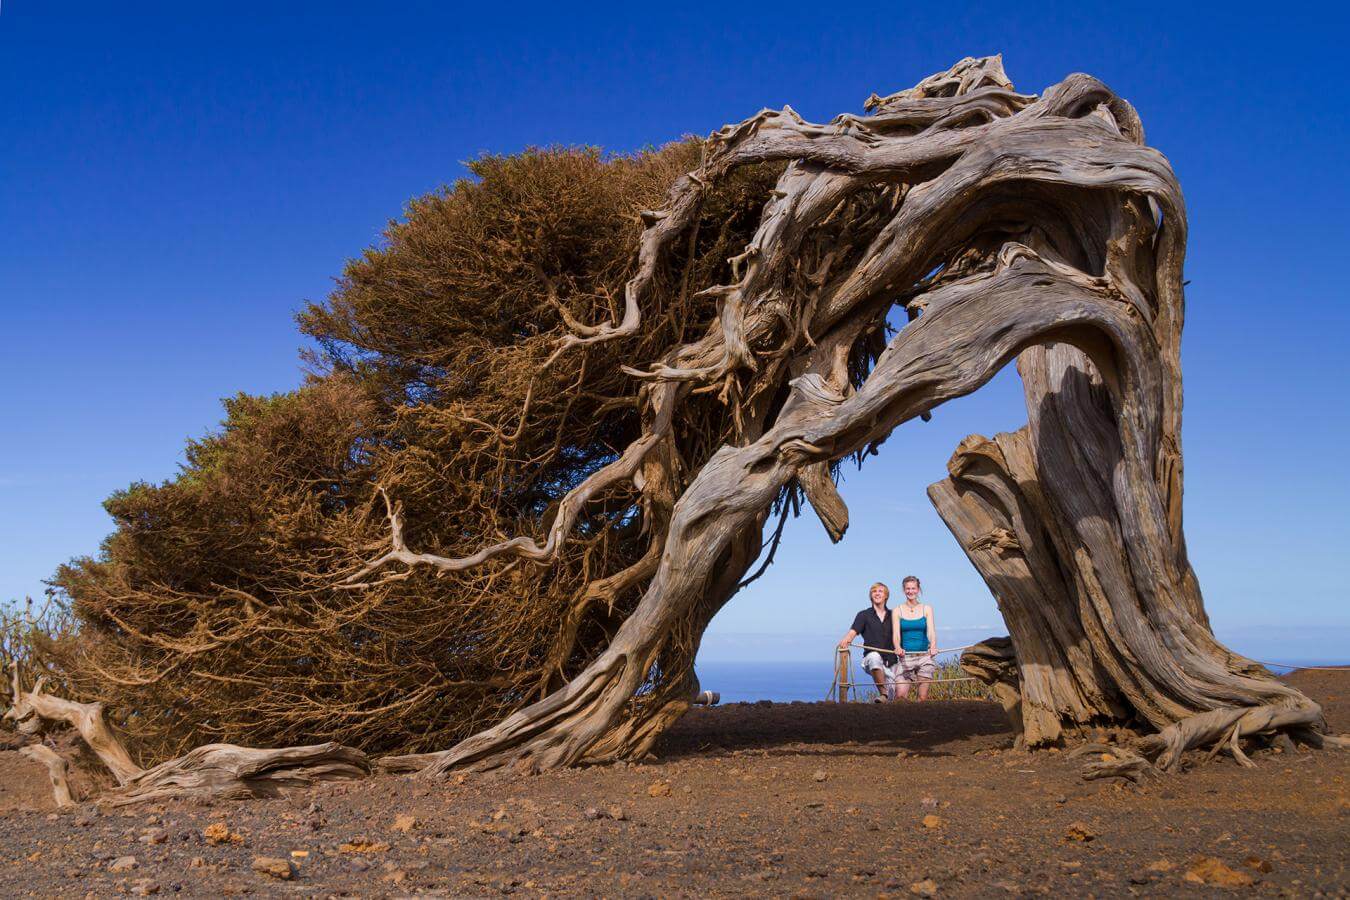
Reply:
x=1069, y=523
x=1058, y=681
x=1009, y=226
x=31, y=709
x=225, y=771
x=57, y=770
x=212, y=770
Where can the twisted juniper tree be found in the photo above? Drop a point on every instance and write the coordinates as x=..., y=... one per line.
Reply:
x=1040, y=229
x=628, y=420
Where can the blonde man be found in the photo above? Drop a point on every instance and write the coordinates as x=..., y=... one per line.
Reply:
x=876, y=625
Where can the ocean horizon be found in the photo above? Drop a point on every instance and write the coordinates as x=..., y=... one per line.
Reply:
x=808, y=681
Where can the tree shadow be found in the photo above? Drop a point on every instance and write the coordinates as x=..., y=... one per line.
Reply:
x=937, y=728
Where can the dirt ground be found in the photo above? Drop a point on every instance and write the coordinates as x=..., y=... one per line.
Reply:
x=800, y=800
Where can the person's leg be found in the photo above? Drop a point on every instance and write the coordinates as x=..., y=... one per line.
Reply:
x=903, y=676
x=877, y=669
x=925, y=671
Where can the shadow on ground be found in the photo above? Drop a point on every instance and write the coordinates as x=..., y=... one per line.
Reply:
x=862, y=729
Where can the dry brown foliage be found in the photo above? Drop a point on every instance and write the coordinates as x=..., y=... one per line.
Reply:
x=557, y=407
x=212, y=613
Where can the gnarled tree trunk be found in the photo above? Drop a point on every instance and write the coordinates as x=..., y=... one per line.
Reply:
x=1010, y=227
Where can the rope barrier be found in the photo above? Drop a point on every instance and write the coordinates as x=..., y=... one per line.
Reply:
x=841, y=686
x=888, y=650
x=1345, y=668
x=844, y=686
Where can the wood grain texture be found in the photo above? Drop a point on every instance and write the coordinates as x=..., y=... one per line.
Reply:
x=1009, y=226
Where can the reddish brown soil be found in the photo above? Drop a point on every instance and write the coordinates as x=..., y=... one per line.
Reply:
x=814, y=800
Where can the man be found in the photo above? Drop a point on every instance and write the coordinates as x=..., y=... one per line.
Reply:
x=877, y=630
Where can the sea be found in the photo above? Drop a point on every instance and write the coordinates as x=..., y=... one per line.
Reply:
x=809, y=681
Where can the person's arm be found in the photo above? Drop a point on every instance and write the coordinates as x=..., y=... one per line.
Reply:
x=932, y=631
x=848, y=638
x=895, y=634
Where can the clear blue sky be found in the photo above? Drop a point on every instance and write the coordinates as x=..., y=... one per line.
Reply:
x=176, y=179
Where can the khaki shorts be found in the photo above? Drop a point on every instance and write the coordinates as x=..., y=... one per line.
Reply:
x=915, y=667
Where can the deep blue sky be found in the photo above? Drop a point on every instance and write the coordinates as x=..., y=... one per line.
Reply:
x=177, y=179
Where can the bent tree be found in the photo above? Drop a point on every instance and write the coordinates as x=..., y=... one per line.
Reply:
x=554, y=397
x=1009, y=227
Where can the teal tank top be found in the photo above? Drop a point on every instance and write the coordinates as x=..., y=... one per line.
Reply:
x=914, y=634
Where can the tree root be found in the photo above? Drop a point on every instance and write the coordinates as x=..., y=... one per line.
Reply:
x=1223, y=730
x=57, y=770
x=224, y=771
x=221, y=771
x=1116, y=762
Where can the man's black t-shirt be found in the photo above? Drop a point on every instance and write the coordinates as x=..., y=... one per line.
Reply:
x=876, y=633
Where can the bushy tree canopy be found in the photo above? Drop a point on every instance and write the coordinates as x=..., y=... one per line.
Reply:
x=216, y=610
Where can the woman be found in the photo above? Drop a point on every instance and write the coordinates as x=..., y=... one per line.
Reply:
x=915, y=638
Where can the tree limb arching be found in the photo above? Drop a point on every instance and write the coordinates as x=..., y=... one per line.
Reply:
x=1014, y=227
x=1007, y=226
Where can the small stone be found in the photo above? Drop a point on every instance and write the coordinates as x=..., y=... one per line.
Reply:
x=123, y=864
x=144, y=887
x=929, y=803
x=273, y=867
x=659, y=789
x=220, y=833
x=52, y=817
x=1081, y=832
x=592, y=813
x=925, y=888
x=363, y=844
x=1161, y=865
x=153, y=836
x=359, y=864
x=1211, y=870
x=617, y=814
x=931, y=821
x=404, y=823
x=197, y=862
x=1259, y=864
x=820, y=775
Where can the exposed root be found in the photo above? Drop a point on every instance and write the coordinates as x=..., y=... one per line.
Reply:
x=32, y=708
x=224, y=771
x=213, y=770
x=1008, y=226
x=1119, y=762
x=57, y=770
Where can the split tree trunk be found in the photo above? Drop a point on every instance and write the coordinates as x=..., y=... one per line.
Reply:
x=1074, y=536
x=1009, y=226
